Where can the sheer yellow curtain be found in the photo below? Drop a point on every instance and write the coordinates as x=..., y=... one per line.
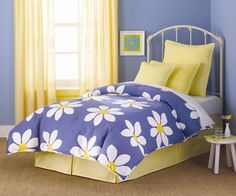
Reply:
x=34, y=59
x=98, y=43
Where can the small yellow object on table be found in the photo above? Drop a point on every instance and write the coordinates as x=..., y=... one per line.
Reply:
x=215, y=151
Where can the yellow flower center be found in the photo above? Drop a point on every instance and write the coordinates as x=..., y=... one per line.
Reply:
x=62, y=107
x=50, y=149
x=86, y=154
x=103, y=112
x=160, y=128
x=131, y=43
x=131, y=103
x=22, y=147
x=135, y=138
x=112, y=167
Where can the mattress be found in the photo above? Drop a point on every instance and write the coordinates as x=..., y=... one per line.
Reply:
x=211, y=104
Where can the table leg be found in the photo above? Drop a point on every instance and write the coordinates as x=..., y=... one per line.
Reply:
x=228, y=156
x=232, y=147
x=211, y=156
x=217, y=159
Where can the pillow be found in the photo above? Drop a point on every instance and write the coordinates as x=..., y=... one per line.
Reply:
x=154, y=73
x=181, y=78
x=178, y=53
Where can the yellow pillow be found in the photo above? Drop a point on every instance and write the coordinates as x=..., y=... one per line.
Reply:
x=181, y=78
x=178, y=53
x=154, y=73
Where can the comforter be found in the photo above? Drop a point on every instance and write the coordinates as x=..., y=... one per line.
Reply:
x=114, y=125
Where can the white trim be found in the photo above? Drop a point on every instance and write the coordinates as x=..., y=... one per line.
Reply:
x=4, y=130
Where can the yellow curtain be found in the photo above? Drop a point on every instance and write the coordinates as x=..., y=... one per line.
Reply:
x=98, y=43
x=34, y=59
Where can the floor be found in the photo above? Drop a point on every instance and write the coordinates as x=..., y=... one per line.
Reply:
x=19, y=177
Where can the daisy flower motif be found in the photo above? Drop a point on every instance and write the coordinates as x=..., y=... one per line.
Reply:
x=148, y=97
x=65, y=106
x=24, y=143
x=193, y=113
x=39, y=111
x=115, y=163
x=86, y=149
x=159, y=130
x=97, y=114
x=51, y=143
x=131, y=103
x=119, y=90
x=134, y=132
x=178, y=124
x=94, y=95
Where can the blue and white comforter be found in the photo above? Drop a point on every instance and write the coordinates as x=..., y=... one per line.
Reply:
x=114, y=125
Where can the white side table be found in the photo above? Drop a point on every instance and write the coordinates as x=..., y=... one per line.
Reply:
x=215, y=151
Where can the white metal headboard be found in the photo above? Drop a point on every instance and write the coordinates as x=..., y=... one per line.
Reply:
x=206, y=33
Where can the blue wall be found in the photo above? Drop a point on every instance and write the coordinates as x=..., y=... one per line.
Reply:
x=223, y=17
x=153, y=15
x=6, y=63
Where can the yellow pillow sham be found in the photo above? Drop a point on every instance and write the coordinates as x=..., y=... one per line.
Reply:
x=178, y=53
x=156, y=73
x=182, y=77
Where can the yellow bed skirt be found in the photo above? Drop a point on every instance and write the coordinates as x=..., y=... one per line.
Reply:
x=154, y=161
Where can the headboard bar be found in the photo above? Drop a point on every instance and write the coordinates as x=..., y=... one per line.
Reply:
x=206, y=33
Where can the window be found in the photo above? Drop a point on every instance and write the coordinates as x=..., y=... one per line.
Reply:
x=66, y=43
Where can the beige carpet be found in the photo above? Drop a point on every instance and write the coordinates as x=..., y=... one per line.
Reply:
x=19, y=177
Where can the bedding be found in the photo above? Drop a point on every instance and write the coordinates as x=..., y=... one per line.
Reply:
x=181, y=78
x=116, y=126
x=211, y=104
x=154, y=73
x=178, y=53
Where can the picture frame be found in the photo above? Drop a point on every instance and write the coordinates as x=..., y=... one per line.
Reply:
x=132, y=43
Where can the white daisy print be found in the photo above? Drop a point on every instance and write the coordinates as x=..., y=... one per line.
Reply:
x=119, y=90
x=24, y=143
x=51, y=143
x=159, y=130
x=59, y=108
x=29, y=117
x=115, y=163
x=148, y=97
x=134, y=132
x=178, y=124
x=94, y=95
x=86, y=149
x=131, y=103
x=97, y=114
x=193, y=113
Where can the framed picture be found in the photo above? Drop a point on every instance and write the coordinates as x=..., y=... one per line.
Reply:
x=132, y=43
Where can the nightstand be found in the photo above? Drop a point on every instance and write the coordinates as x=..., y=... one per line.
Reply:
x=215, y=151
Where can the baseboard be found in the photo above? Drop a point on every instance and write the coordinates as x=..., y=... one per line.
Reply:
x=4, y=130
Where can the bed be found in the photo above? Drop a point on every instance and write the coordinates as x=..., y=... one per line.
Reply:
x=117, y=151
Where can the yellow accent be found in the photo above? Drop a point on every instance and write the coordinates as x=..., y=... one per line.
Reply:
x=66, y=94
x=154, y=73
x=103, y=112
x=50, y=148
x=112, y=167
x=178, y=53
x=86, y=154
x=135, y=138
x=100, y=56
x=160, y=128
x=34, y=64
x=182, y=77
x=62, y=107
x=22, y=147
x=155, y=161
x=34, y=53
